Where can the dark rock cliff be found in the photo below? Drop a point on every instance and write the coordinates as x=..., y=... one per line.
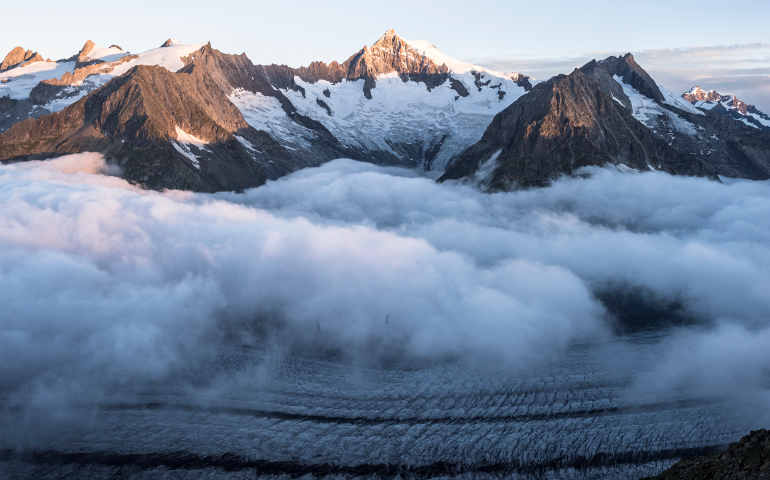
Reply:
x=748, y=459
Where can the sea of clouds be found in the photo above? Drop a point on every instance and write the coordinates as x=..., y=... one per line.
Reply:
x=104, y=285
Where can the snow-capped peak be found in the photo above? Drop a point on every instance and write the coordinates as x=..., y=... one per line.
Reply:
x=456, y=66
x=706, y=100
x=106, y=54
x=168, y=57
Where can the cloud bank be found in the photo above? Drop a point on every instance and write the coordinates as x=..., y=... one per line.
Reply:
x=742, y=70
x=105, y=285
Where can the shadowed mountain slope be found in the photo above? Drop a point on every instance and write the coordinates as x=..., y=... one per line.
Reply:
x=608, y=112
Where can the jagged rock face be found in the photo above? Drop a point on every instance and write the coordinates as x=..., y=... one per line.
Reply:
x=589, y=118
x=18, y=56
x=390, y=54
x=333, y=72
x=167, y=43
x=748, y=459
x=228, y=71
x=634, y=75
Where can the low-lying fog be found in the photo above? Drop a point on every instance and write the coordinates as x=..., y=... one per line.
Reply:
x=103, y=285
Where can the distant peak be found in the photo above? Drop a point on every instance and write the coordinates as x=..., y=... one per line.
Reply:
x=168, y=43
x=389, y=38
x=18, y=56
x=16, y=50
x=697, y=94
x=632, y=73
x=87, y=47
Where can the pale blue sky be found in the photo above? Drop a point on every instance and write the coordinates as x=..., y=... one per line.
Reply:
x=296, y=32
x=540, y=38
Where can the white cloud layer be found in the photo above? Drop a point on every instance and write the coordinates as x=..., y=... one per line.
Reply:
x=103, y=284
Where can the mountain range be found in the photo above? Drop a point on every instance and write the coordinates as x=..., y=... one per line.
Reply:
x=191, y=117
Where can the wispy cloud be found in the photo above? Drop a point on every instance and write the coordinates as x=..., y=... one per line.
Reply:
x=743, y=70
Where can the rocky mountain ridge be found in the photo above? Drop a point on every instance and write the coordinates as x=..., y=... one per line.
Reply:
x=394, y=102
x=697, y=95
x=708, y=100
x=19, y=56
x=168, y=129
x=609, y=113
x=448, y=111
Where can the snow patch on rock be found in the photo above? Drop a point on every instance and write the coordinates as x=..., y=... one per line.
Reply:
x=456, y=66
x=246, y=144
x=184, y=145
x=406, y=113
x=169, y=58
x=678, y=102
x=266, y=114
x=484, y=173
x=106, y=54
x=650, y=113
x=17, y=83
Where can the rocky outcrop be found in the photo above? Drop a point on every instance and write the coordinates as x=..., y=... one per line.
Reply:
x=585, y=118
x=168, y=43
x=524, y=81
x=82, y=56
x=18, y=56
x=697, y=94
x=748, y=459
x=13, y=58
